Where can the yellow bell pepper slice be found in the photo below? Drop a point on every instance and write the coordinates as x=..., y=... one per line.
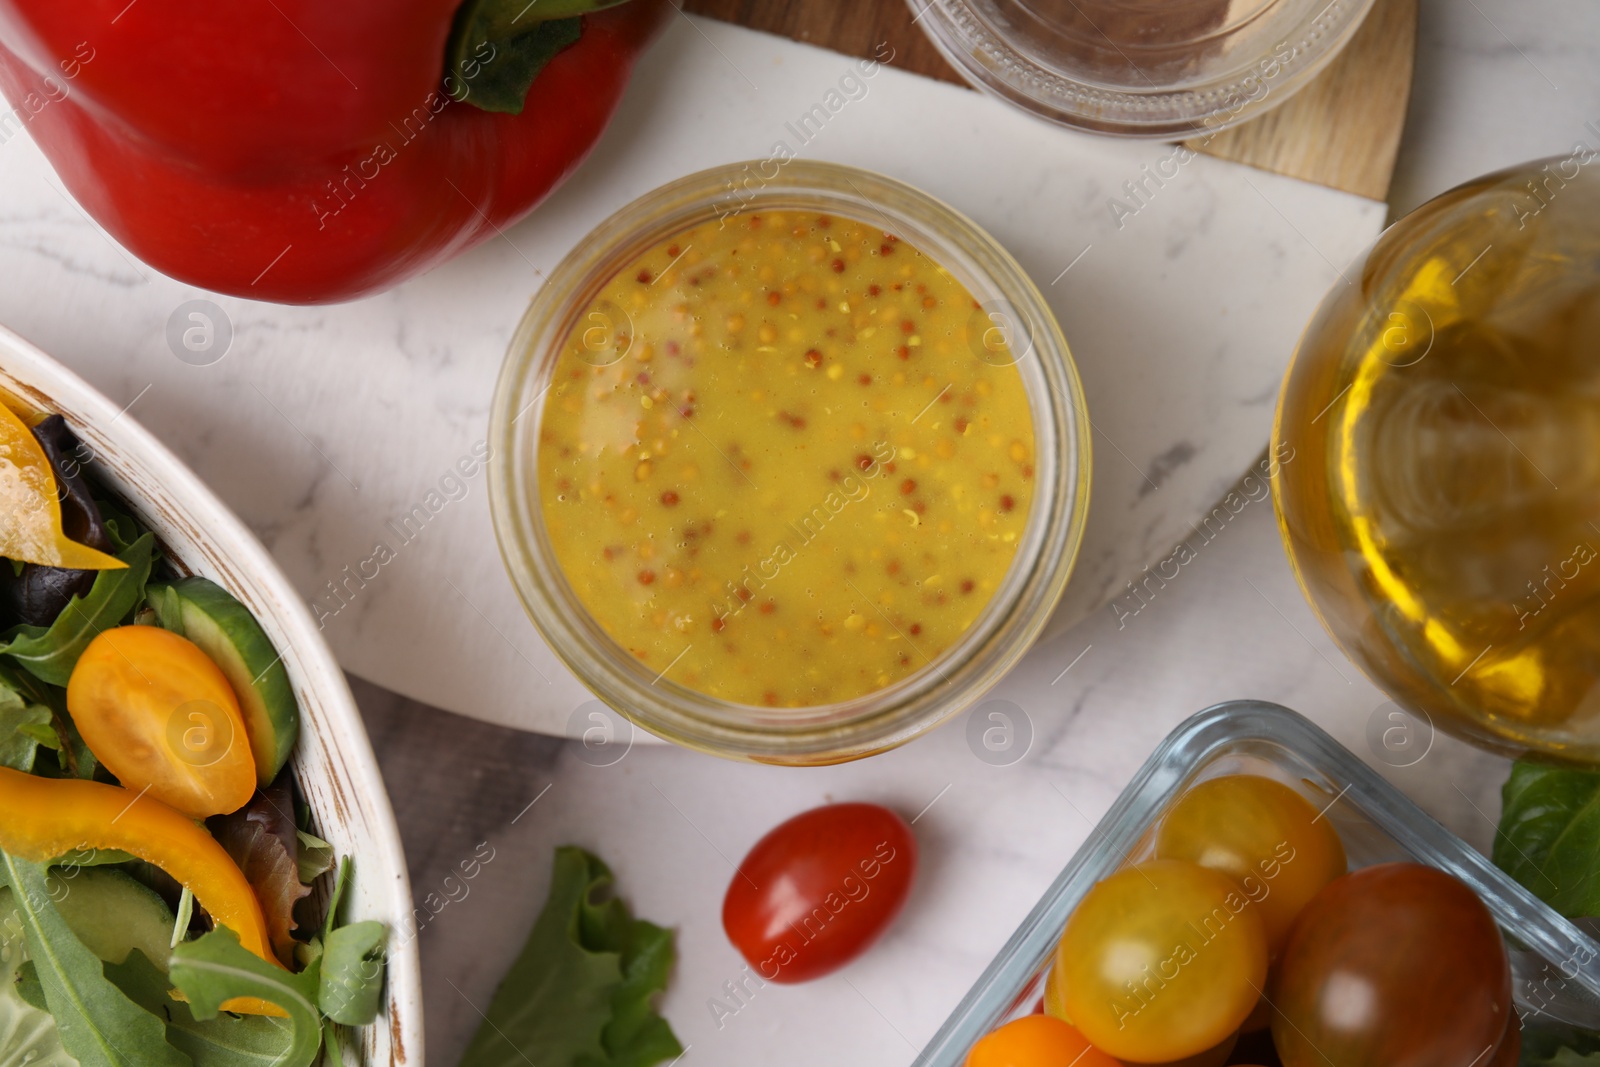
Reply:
x=44, y=818
x=31, y=530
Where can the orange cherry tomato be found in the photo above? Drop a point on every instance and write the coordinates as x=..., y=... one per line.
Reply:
x=1162, y=961
x=162, y=717
x=1263, y=835
x=1037, y=1041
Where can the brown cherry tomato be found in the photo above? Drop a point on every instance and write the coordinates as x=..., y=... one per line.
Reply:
x=1398, y=965
x=817, y=890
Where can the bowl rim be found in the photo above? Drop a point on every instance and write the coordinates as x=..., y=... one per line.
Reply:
x=1006, y=983
x=986, y=60
x=826, y=733
x=171, y=500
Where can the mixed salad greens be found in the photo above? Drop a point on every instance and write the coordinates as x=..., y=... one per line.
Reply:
x=156, y=866
x=581, y=993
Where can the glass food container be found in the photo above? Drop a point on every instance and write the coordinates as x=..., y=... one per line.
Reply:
x=1442, y=511
x=1163, y=69
x=1555, y=966
x=825, y=733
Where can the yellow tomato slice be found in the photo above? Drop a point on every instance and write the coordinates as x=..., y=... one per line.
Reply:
x=162, y=717
x=31, y=531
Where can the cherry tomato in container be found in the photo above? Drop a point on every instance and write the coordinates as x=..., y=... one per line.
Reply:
x=1263, y=835
x=1161, y=961
x=817, y=890
x=1036, y=1041
x=1398, y=965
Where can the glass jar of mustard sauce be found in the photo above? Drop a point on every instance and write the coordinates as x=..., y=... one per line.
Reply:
x=794, y=462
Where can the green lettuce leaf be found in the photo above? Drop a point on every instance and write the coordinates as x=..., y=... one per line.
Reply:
x=223, y=1041
x=23, y=727
x=1549, y=836
x=98, y=1024
x=214, y=969
x=580, y=993
x=50, y=653
x=315, y=857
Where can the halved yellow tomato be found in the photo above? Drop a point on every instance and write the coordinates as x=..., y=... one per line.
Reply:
x=162, y=717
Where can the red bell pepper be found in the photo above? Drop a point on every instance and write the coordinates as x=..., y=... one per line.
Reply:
x=309, y=151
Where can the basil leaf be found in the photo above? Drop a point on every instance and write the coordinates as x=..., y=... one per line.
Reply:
x=98, y=1024
x=1549, y=836
x=579, y=994
x=214, y=969
x=225, y=1041
x=352, y=973
x=49, y=654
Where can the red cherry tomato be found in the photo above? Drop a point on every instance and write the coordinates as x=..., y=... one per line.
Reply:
x=1398, y=965
x=817, y=891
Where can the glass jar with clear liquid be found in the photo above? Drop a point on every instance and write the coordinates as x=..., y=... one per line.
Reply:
x=1442, y=504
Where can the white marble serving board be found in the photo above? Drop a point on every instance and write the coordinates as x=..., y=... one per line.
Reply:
x=321, y=426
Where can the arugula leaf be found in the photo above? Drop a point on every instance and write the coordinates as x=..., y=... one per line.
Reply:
x=121, y=527
x=22, y=728
x=224, y=1041
x=28, y=987
x=579, y=994
x=98, y=1024
x=167, y=606
x=1549, y=836
x=49, y=654
x=352, y=973
x=315, y=858
x=214, y=969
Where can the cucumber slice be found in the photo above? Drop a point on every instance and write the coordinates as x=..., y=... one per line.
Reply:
x=208, y=615
x=112, y=914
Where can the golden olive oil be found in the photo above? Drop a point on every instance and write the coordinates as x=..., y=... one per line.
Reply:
x=1442, y=510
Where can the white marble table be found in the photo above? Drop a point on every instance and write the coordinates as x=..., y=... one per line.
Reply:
x=328, y=428
x=1497, y=82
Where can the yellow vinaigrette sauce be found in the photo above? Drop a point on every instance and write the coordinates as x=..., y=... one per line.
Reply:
x=774, y=467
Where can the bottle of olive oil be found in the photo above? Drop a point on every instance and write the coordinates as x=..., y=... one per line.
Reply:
x=1442, y=509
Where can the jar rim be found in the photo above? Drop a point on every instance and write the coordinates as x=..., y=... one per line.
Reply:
x=1035, y=578
x=1002, y=55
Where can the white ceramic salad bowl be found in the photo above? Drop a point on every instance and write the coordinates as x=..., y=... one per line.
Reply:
x=333, y=762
